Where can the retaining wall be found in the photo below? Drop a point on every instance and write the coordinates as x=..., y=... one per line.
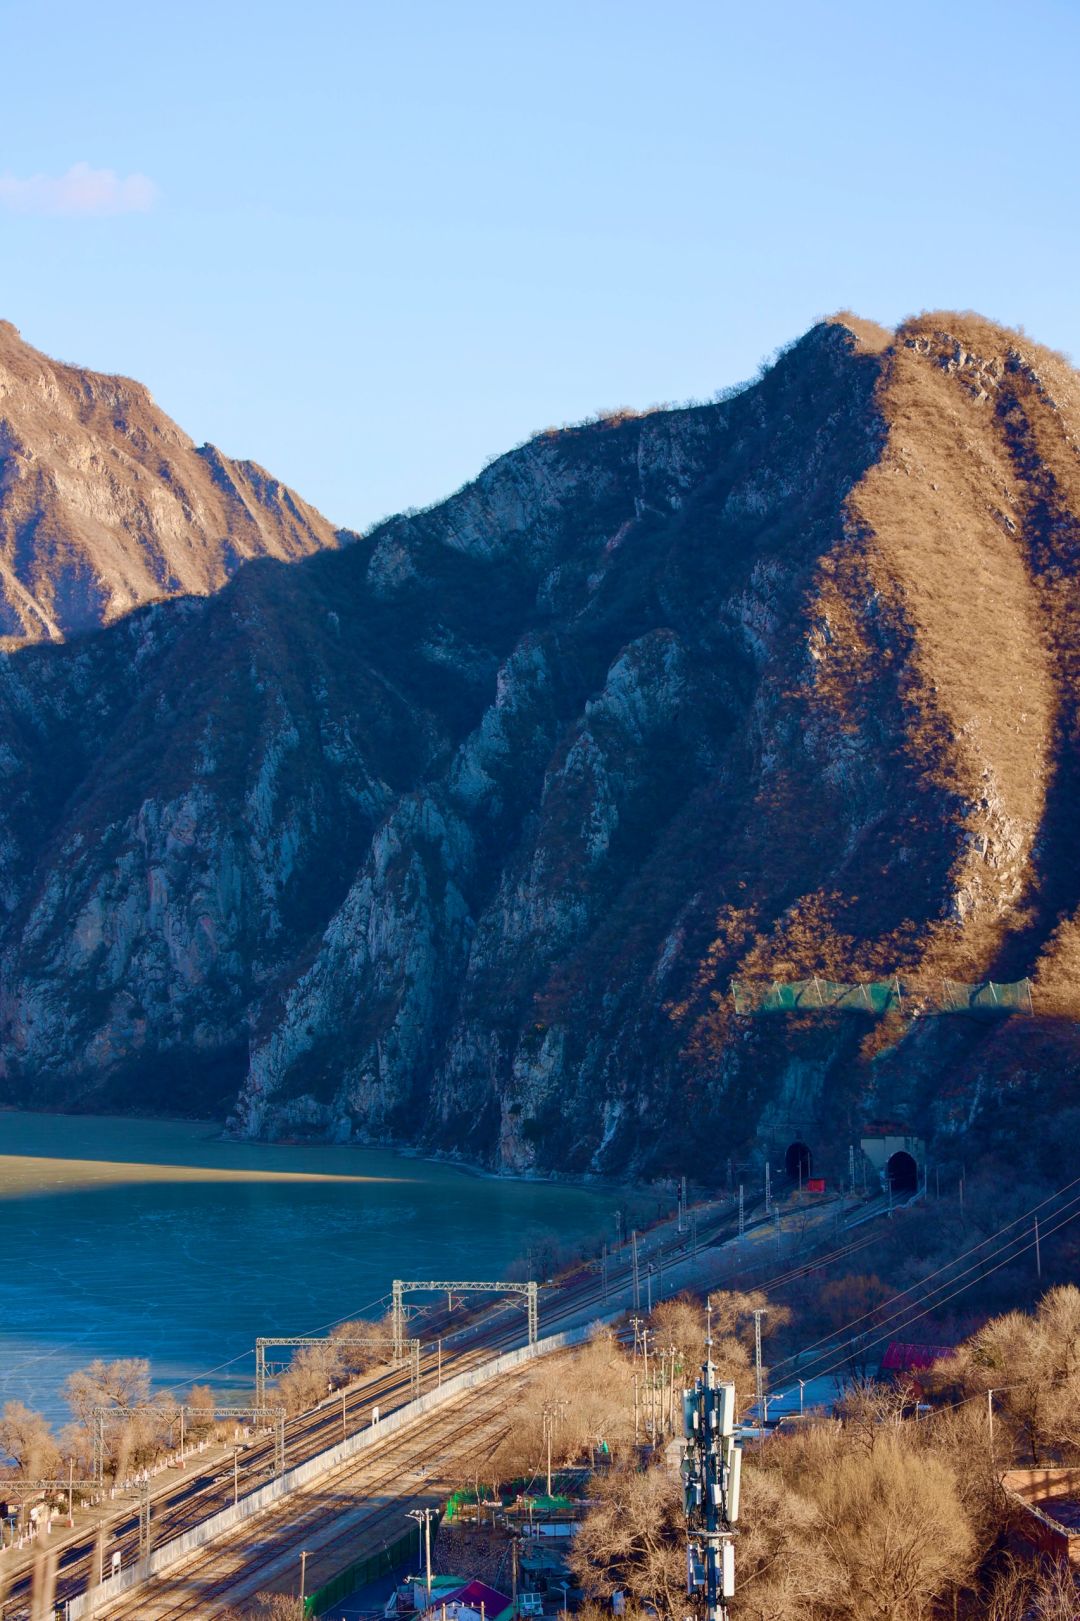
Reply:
x=170, y=1553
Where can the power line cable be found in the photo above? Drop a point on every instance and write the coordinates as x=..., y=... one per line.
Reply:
x=936, y=1304
x=946, y=1266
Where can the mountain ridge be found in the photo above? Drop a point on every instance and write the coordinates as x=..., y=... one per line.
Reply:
x=106, y=504
x=460, y=832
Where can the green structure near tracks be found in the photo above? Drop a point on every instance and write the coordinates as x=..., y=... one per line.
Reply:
x=912, y=997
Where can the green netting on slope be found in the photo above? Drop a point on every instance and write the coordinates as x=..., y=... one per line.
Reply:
x=876, y=996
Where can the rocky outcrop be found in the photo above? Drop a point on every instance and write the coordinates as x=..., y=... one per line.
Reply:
x=457, y=835
x=105, y=504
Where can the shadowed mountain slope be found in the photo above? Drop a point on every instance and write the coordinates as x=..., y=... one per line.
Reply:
x=105, y=504
x=459, y=834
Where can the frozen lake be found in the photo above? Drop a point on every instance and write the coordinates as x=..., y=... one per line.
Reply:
x=153, y=1238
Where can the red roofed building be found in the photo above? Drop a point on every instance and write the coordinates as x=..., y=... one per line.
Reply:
x=903, y=1359
x=474, y=1599
x=905, y=1356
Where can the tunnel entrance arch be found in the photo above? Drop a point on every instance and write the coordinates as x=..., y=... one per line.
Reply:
x=903, y=1173
x=799, y=1163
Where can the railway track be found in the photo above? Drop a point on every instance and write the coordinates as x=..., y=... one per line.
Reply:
x=499, y=1328
x=232, y=1568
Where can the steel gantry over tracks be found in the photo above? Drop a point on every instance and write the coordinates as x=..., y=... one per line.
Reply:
x=401, y=1288
x=260, y=1415
x=295, y=1341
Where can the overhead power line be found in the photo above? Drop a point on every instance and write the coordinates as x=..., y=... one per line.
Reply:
x=920, y=1285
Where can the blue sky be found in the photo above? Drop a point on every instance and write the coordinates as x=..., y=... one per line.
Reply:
x=373, y=245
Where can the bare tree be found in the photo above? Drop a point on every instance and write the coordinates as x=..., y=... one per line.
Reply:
x=633, y=1541
x=583, y=1402
x=27, y=1438
x=1027, y=1591
x=278, y=1607
x=786, y=1571
x=123, y=1383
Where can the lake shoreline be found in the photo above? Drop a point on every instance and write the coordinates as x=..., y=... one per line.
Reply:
x=217, y=1131
x=134, y=1236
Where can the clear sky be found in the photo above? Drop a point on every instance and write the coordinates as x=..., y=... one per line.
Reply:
x=371, y=245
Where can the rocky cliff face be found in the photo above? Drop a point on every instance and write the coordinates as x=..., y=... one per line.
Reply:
x=105, y=504
x=459, y=834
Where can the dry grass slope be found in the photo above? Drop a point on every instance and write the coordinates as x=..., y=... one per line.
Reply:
x=106, y=504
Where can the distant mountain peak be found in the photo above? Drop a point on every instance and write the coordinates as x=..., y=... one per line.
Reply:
x=106, y=504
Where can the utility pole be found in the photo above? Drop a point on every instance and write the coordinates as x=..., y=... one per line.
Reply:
x=423, y=1516
x=768, y=1189
x=671, y=1389
x=758, y=1315
x=144, y=1520
x=303, y=1578
x=235, y=1476
x=648, y=1288
x=711, y=1471
x=851, y=1167
x=515, y=1538
x=664, y=1373
x=548, y=1427
x=682, y=1204
x=776, y=1222
x=344, y=1431
x=742, y=1212
x=634, y=1267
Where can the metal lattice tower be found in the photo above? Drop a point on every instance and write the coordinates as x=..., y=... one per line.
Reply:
x=400, y=1288
x=712, y=1464
x=144, y=1521
x=298, y=1340
x=98, y=1416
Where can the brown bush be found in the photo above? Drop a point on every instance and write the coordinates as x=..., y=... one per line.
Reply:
x=588, y=1400
x=868, y=1509
x=633, y=1540
x=26, y=1437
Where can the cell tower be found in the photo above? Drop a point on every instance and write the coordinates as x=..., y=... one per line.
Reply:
x=712, y=1463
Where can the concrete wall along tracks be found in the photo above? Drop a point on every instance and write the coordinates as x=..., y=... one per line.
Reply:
x=86, y=1605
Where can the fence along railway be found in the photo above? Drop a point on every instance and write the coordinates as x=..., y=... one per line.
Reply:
x=195, y=1502
x=228, y=1569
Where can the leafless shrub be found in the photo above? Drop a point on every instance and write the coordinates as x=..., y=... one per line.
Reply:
x=278, y=1607
x=632, y=1541
x=26, y=1437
